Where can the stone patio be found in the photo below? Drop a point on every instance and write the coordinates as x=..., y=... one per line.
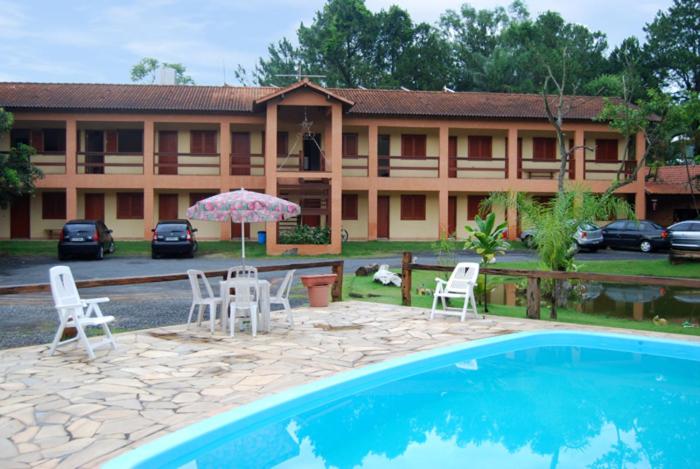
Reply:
x=66, y=411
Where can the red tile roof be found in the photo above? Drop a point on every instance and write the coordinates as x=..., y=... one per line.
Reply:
x=226, y=99
x=673, y=180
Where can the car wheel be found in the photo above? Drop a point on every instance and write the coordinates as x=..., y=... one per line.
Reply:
x=111, y=247
x=645, y=246
x=62, y=257
x=154, y=255
x=100, y=253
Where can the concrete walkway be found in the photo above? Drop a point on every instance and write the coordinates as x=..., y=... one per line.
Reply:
x=66, y=411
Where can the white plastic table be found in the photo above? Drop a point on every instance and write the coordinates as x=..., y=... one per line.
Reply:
x=225, y=287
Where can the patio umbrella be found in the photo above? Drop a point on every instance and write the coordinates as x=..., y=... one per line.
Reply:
x=243, y=206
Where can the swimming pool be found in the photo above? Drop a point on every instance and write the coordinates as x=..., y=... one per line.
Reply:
x=567, y=399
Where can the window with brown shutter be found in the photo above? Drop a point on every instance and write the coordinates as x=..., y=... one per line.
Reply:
x=197, y=196
x=54, y=140
x=203, y=142
x=413, y=145
x=473, y=204
x=606, y=150
x=53, y=205
x=480, y=146
x=544, y=148
x=413, y=207
x=130, y=141
x=38, y=140
x=349, y=207
x=129, y=205
x=350, y=144
x=111, y=141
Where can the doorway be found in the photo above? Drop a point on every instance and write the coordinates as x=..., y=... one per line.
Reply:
x=240, y=154
x=167, y=207
x=383, y=146
x=95, y=207
x=94, y=152
x=167, y=152
x=19, y=217
x=312, y=161
x=383, y=217
x=452, y=216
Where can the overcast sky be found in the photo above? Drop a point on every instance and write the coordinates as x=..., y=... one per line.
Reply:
x=99, y=40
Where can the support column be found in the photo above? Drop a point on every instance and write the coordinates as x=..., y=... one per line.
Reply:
x=148, y=176
x=579, y=155
x=71, y=202
x=71, y=146
x=443, y=195
x=271, y=167
x=640, y=201
x=444, y=219
x=512, y=154
x=372, y=173
x=512, y=217
x=336, y=176
x=148, y=199
x=224, y=170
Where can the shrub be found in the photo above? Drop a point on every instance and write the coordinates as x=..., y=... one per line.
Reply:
x=305, y=234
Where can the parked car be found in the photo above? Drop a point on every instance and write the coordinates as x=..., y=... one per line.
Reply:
x=85, y=238
x=685, y=234
x=588, y=236
x=173, y=237
x=644, y=235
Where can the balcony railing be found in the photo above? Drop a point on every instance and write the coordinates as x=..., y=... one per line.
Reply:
x=96, y=162
x=477, y=168
x=408, y=166
x=607, y=170
x=247, y=165
x=543, y=168
x=355, y=165
x=298, y=162
x=189, y=164
x=49, y=162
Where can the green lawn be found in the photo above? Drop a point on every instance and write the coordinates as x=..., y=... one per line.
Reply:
x=363, y=289
x=656, y=267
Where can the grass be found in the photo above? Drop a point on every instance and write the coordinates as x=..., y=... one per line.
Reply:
x=655, y=267
x=364, y=289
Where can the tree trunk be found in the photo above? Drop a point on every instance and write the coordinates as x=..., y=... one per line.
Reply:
x=533, y=298
x=555, y=296
x=486, y=299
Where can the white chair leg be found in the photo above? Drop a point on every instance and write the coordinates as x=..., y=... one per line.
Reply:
x=189, y=317
x=57, y=338
x=108, y=334
x=85, y=341
x=465, y=307
x=232, y=320
x=288, y=308
x=200, y=314
x=253, y=320
x=432, y=311
x=212, y=316
x=473, y=301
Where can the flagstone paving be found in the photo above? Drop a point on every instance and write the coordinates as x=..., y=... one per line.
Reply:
x=66, y=411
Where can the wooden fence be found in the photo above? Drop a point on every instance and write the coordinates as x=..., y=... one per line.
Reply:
x=336, y=267
x=534, y=278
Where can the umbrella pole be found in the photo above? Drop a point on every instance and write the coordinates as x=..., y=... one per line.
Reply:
x=243, y=242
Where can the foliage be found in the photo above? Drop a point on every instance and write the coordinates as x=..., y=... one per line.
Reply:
x=147, y=68
x=487, y=238
x=17, y=174
x=305, y=234
x=445, y=250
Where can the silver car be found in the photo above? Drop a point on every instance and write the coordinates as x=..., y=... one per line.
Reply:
x=588, y=236
x=685, y=234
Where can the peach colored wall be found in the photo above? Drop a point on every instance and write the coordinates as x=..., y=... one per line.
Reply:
x=357, y=229
x=37, y=224
x=411, y=229
x=4, y=223
x=122, y=229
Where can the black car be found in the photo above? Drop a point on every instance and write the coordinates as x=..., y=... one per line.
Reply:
x=635, y=234
x=85, y=238
x=171, y=237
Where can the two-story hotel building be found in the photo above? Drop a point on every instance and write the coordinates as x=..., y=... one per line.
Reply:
x=382, y=164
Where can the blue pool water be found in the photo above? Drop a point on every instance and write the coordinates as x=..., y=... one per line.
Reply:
x=530, y=400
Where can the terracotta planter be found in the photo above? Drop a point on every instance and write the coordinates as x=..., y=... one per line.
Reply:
x=317, y=287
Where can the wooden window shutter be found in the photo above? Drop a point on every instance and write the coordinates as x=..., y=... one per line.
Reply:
x=37, y=140
x=130, y=205
x=195, y=141
x=473, y=203
x=53, y=205
x=413, y=207
x=452, y=147
x=210, y=141
x=111, y=141
x=420, y=146
x=349, y=207
x=480, y=146
x=282, y=143
x=349, y=144
x=606, y=150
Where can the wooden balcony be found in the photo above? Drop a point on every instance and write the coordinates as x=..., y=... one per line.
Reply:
x=607, y=170
x=477, y=168
x=49, y=162
x=408, y=166
x=247, y=165
x=543, y=168
x=355, y=166
x=186, y=164
x=99, y=162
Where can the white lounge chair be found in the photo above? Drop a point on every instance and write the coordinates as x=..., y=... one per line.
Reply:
x=459, y=286
x=200, y=301
x=281, y=297
x=242, y=271
x=385, y=276
x=244, y=304
x=76, y=312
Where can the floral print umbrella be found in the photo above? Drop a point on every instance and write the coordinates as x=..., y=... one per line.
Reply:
x=243, y=206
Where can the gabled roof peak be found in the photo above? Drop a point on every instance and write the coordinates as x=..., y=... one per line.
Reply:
x=302, y=84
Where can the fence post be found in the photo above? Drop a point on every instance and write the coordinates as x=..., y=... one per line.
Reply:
x=406, y=278
x=337, y=291
x=533, y=297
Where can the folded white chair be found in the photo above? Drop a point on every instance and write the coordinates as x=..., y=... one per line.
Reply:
x=281, y=297
x=385, y=276
x=200, y=301
x=460, y=285
x=244, y=304
x=76, y=312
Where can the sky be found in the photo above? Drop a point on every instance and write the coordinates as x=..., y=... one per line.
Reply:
x=98, y=41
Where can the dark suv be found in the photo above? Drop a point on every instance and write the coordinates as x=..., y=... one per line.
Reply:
x=88, y=238
x=173, y=237
x=635, y=234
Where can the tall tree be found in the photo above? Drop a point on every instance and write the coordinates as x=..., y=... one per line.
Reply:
x=673, y=45
x=17, y=174
x=147, y=68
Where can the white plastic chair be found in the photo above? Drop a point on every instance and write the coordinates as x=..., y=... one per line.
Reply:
x=242, y=271
x=244, y=304
x=200, y=301
x=460, y=285
x=76, y=312
x=281, y=297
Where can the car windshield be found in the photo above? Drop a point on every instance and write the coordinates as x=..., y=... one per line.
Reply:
x=171, y=227
x=79, y=228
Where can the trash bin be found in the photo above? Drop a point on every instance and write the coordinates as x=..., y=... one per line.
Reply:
x=262, y=237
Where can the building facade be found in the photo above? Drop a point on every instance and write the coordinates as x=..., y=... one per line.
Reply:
x=381, y=164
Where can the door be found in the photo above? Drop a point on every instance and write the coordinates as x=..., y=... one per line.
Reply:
x=383, y=146
x=383, y=217
x=19, y=217
x=310, y=220
x=94, y=206
x=452, y=216
x=167, y=152
x=312, y=160
x=236, y=230
x=94, y=152
x=452, y=158
x=631, y=234
x=167, y=207
x=240, y=155
x=611, y=233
